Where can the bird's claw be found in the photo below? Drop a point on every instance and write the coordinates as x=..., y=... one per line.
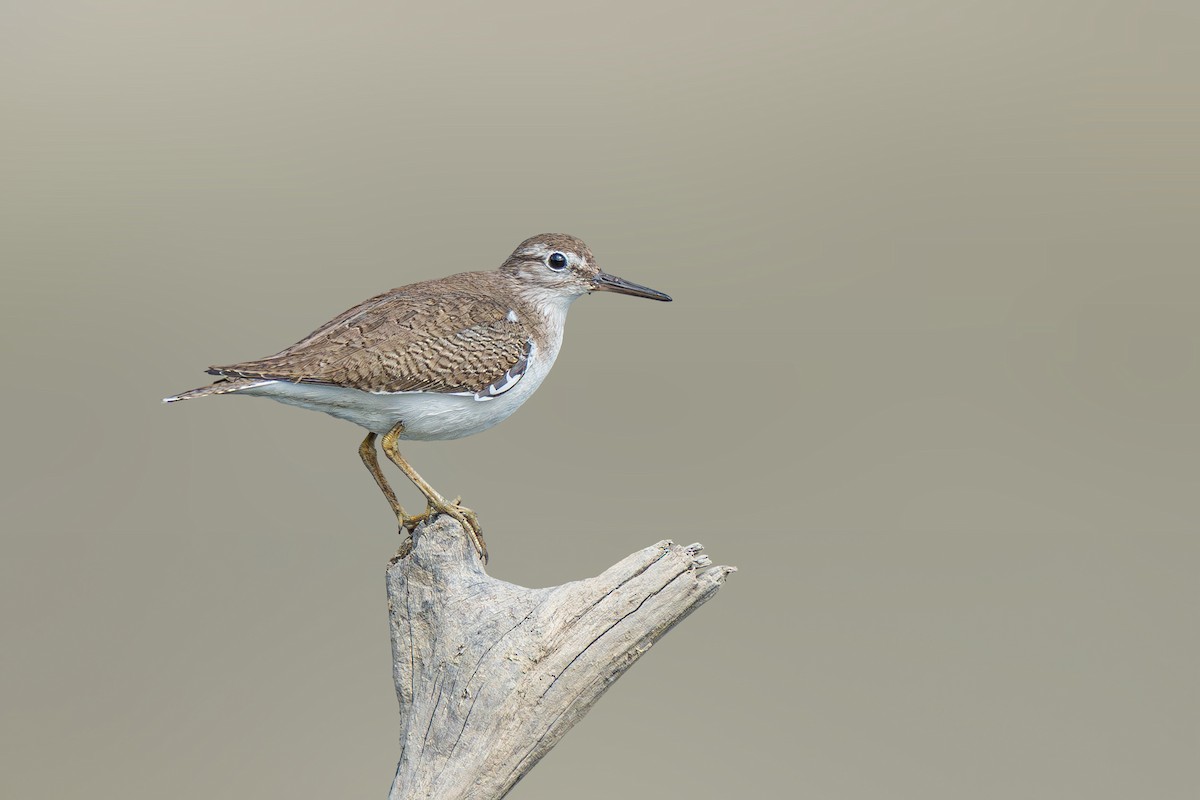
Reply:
x=465, y=517
x=410, y=524
x=469, y=521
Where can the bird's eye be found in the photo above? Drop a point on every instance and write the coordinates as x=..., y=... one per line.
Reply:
x=557, y=262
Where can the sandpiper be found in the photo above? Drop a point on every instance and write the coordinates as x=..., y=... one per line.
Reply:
x=440, y=359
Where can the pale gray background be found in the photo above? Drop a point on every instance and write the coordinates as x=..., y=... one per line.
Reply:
x=930, y=380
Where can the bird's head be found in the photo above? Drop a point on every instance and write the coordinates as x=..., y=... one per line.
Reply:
x=555, y=266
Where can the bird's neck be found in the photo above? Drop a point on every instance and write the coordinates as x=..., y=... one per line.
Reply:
x=547, y=310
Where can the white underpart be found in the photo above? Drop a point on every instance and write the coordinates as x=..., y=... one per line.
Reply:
x=429, y=415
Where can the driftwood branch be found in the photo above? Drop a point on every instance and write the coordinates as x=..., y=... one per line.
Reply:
x=490, y=675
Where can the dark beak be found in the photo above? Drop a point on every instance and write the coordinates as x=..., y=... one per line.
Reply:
x=611, y=283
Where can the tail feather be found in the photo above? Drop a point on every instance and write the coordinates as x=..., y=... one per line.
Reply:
x=222, y=386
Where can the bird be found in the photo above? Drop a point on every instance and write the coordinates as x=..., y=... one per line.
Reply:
x=435, y=360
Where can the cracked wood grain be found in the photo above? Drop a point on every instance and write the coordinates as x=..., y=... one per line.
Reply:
x=490, y=676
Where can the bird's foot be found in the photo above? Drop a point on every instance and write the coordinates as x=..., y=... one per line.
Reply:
x=410, y=523
x=465, y=517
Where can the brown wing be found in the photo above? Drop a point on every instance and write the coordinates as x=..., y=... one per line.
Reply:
x=404, y=341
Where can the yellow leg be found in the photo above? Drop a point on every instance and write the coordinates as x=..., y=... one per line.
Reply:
x=465, y=516
x=366, y=451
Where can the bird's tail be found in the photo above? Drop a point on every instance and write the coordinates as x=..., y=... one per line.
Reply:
x=222, y=386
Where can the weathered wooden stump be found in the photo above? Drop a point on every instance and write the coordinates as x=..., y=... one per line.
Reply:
x=491, y=675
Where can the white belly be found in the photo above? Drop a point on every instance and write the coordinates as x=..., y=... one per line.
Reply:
x=425, y=415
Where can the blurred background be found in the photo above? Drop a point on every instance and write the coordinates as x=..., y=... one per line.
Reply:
x=930, y=380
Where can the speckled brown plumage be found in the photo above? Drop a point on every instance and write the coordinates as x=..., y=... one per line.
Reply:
x=447, y=335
